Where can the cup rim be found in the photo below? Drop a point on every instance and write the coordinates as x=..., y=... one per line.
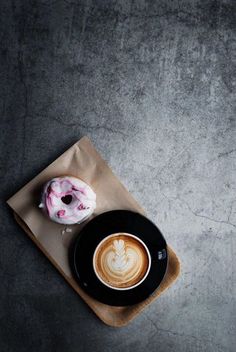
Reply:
x=146, y=249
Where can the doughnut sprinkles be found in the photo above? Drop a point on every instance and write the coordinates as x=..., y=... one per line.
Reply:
x=68, y=200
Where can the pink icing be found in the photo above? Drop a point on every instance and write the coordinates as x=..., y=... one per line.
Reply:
x=61, y=213
x=81, y=204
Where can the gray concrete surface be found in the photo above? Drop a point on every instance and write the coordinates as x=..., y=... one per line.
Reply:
x=152, y=83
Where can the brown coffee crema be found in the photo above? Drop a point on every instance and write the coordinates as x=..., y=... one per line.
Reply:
x=121, y=261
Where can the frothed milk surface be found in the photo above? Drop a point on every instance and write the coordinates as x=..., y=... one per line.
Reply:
x=121, y=261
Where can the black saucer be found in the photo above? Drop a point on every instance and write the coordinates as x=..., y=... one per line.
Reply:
x=82, y=250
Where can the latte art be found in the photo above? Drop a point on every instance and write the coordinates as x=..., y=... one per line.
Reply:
x=121, y=261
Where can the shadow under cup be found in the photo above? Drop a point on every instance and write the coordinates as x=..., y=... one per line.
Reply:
x=121, y=261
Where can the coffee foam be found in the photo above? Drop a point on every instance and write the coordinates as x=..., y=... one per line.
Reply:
x=121, y=261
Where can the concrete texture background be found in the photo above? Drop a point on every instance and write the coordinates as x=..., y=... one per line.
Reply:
x=152, y=83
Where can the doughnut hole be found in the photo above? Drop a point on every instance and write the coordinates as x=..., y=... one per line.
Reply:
x=67, y=199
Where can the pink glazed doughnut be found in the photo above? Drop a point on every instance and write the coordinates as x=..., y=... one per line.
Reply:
x=68, y=200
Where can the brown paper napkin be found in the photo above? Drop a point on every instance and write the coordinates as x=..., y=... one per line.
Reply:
x=83, y=161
